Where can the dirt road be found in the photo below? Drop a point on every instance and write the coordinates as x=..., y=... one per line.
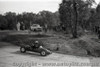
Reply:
x=10, y=56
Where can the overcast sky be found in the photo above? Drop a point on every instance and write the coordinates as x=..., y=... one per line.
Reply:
x=34, y=6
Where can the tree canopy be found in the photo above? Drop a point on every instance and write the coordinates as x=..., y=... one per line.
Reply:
x=74, y=13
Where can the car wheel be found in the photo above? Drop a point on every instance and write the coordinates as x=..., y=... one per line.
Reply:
x=22, y=49
x=43, y=53
x=34, y=30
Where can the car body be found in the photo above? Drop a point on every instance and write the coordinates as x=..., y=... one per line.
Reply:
x=43, y=51
x=36, y=28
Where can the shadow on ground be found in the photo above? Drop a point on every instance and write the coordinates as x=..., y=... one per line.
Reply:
x=28, y=53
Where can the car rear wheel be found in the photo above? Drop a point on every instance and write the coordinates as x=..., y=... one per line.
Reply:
x=22, y=49
x=43, y=53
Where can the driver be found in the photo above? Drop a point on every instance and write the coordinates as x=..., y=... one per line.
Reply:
x=36, y=45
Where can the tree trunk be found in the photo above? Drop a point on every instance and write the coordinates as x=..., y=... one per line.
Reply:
x=74, y=33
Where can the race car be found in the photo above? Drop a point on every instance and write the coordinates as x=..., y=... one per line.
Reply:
x=34, y=47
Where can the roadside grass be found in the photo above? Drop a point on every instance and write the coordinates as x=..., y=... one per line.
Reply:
x=17, y=39
x=86, y=45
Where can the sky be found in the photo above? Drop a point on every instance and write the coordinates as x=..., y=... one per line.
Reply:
x=34, y=6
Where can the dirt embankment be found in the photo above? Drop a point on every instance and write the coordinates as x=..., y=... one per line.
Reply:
x=83, y=46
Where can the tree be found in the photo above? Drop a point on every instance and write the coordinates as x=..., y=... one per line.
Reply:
x=47, y=18
x=3, y=23
x=97, y=16
x=28, y=19
x=71, y=11
x=11, y=19
x=91, y=21
x=56, y=21
x=94, y=20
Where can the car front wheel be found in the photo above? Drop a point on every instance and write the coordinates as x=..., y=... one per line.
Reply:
x=43, y=53
x=22, y=49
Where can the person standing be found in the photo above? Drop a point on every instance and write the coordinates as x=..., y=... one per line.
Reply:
x=18, y=26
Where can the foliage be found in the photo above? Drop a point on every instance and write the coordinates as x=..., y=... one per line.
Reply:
x=10, y=19
x=94, y=20
x=97, y=15
x=74, y=13
x=3, y=23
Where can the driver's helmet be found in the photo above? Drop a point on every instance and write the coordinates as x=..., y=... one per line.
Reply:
x=36, y=42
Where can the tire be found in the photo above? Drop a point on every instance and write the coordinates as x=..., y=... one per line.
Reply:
x=43, y=53
x=22, y=50
x=34, y=30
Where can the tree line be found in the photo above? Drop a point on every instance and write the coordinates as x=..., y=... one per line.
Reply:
x=9, y=20
x=71, y=17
